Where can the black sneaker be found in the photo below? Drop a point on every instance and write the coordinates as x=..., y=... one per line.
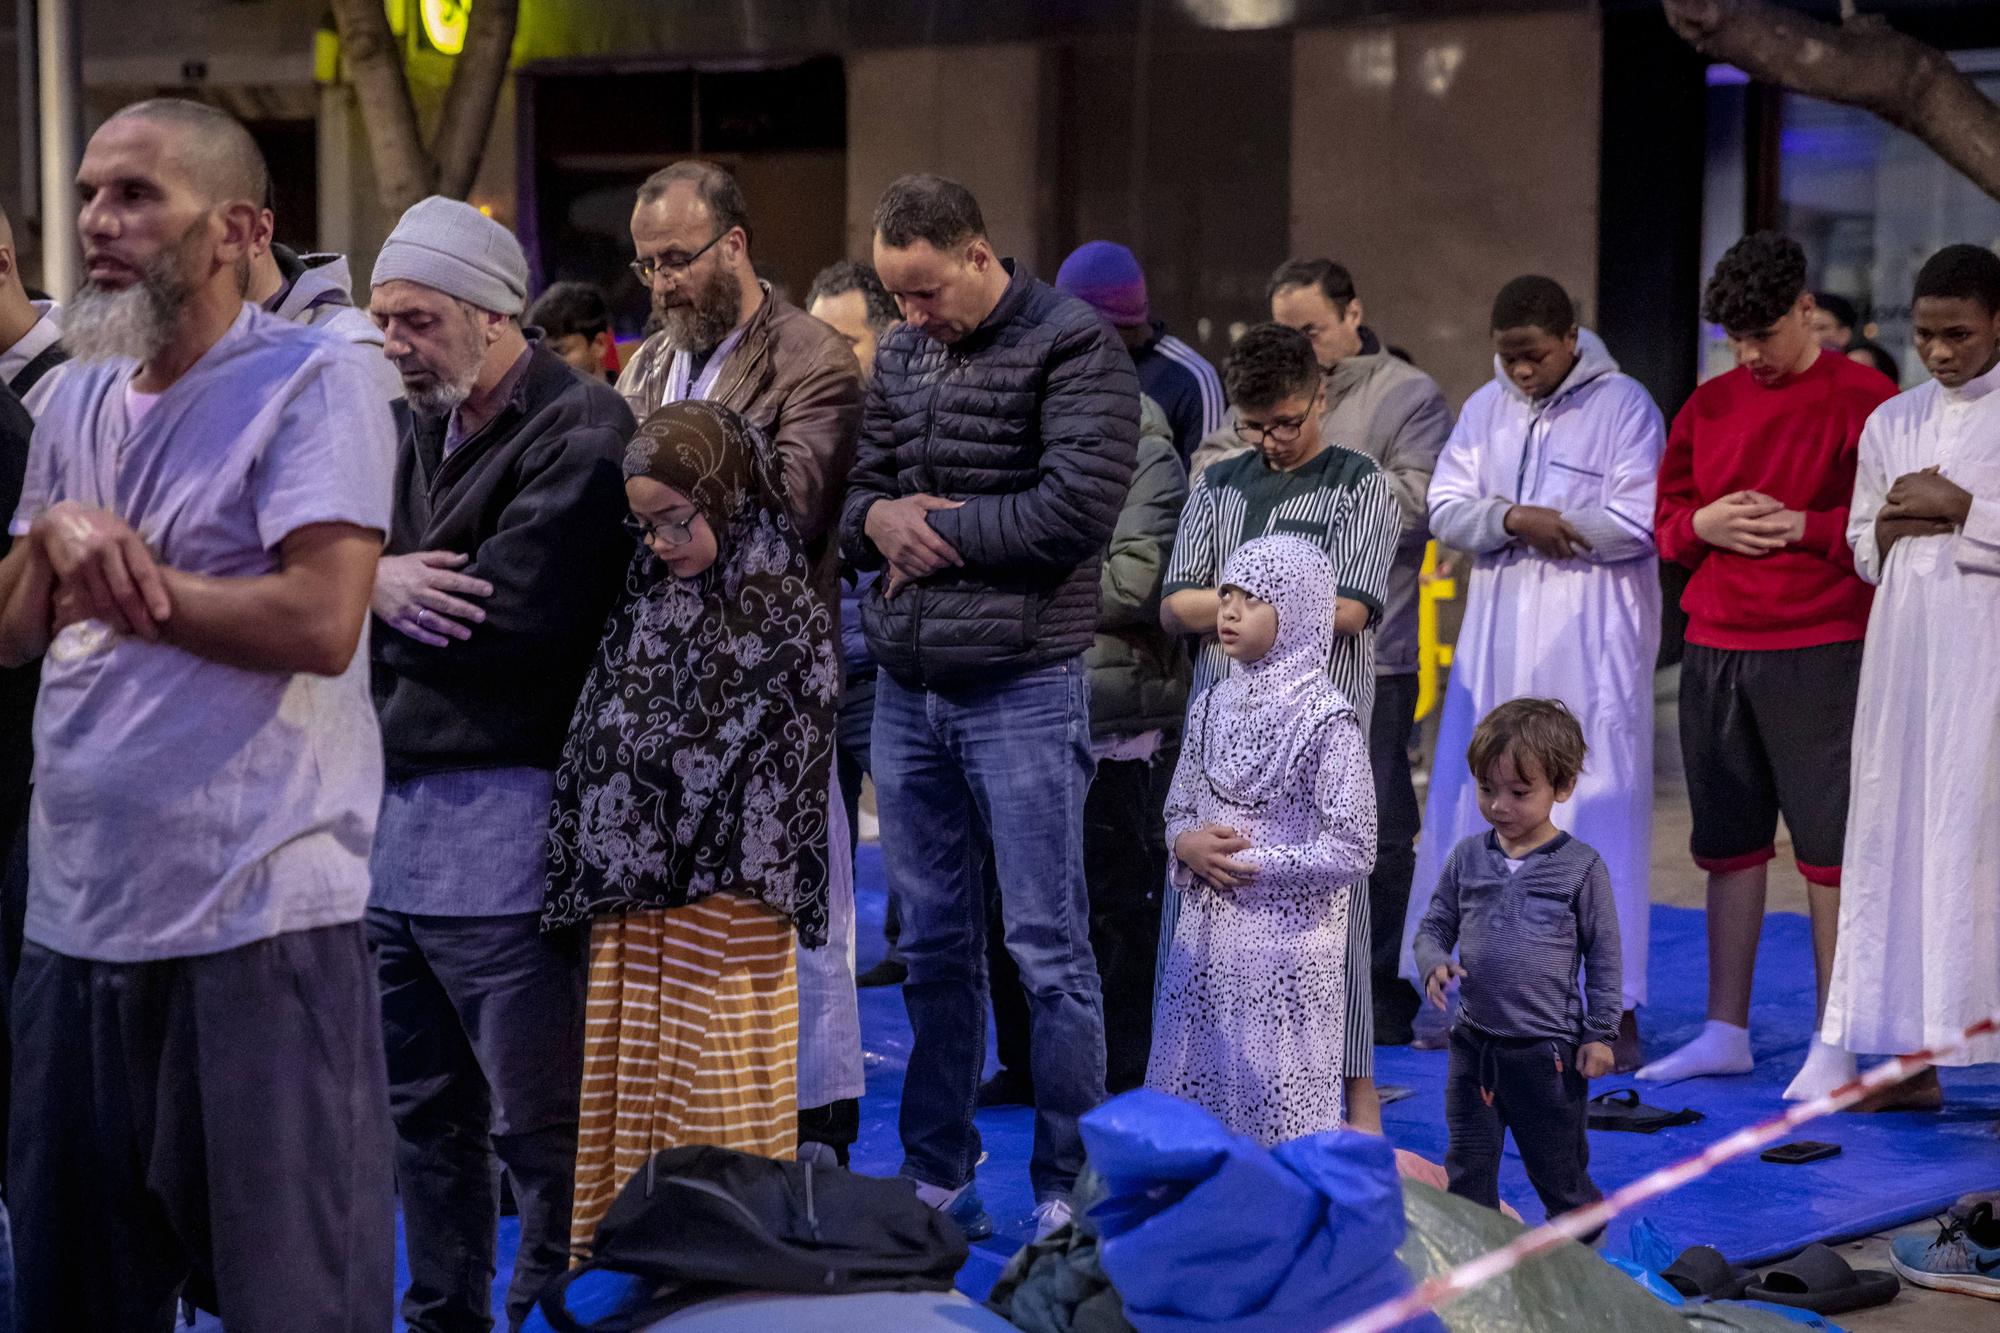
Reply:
x=888, y=972
x=1007, y=1088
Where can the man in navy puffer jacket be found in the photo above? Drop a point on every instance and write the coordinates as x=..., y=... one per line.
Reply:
x=996, y=448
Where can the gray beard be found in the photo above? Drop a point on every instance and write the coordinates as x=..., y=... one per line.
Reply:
x=440, y=398
x=700, y=326
x=102, y=323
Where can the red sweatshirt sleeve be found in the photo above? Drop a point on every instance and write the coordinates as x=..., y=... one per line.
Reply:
x=1826, y=537
x=1677, y=499
x=1826, y=529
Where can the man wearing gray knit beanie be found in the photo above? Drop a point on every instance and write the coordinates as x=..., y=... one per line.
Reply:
x=506, y=549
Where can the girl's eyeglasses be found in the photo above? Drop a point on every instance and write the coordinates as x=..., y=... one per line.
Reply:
x=668, y=531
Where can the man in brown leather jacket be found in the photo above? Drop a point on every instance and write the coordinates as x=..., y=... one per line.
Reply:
x=729, y=338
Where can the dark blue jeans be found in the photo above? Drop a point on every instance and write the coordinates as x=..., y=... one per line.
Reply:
x=1006, y=765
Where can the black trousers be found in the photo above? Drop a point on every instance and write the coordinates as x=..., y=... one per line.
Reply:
x=13, y=917
x=1397, y=819
x=1538, y=1096
x=483, y=1020
x=217, y=1121
x=1125, y=865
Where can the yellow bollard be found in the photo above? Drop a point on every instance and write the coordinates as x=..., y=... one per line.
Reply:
x=1433, y=658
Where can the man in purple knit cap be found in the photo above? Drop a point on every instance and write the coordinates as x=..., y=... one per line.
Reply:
x=1107, y=276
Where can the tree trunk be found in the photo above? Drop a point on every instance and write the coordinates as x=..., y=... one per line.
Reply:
x=1862, y=62
x=403, y=170
x=474, y=93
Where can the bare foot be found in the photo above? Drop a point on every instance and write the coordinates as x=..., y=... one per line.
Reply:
x=1628, y=1052
x=1920, y=1092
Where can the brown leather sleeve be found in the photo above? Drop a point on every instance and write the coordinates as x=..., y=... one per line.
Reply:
x=819, y=416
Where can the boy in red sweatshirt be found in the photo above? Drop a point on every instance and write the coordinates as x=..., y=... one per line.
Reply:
x=1753, y=496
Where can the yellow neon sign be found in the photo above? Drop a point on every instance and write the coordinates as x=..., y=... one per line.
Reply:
x=444, y=23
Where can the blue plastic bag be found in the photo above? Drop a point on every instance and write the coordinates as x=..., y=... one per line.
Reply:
x=1205, y=1229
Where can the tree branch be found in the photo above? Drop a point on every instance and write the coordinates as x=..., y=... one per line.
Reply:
x=474, y=93
x=1863, y=62
x=403, y=170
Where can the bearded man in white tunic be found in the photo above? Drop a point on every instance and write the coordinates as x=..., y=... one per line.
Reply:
x=1919, y=953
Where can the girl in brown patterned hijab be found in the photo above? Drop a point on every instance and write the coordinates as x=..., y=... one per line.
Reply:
x=690, y=823
x=699, y=757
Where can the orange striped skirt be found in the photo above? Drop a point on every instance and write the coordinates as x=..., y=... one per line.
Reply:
x=690, y=1036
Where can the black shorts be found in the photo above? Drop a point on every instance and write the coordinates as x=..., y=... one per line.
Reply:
x=1766, y=733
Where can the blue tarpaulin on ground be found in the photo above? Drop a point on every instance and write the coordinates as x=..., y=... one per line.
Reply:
x=1894, y=1168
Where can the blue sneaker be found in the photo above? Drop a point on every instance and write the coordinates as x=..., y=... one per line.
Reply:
x=1964, y=1258
x=971, y=1214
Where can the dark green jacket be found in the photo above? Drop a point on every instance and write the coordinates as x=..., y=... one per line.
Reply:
x=1139, y=672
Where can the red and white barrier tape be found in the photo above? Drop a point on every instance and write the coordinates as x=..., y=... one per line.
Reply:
x=1445, y=1288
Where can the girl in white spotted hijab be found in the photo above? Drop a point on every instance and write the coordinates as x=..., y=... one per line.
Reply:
x=1271, y=819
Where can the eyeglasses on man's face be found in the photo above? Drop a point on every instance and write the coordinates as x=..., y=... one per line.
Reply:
x=1278, y=430
x=667, y=531
x=672, y=263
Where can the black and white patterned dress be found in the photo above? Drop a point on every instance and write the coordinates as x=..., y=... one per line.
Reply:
x=1250, y=1019
x=1339, y=502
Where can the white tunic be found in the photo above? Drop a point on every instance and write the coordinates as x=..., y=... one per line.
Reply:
x=1919, y=952
x=1585, y=630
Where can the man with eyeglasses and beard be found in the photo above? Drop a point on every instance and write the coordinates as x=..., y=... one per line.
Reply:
x=505, y=555
x=199, y=1101
x=1296, y=481
x=727, y=337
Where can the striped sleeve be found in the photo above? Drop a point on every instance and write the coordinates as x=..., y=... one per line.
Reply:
x=1213, y=405
x=1194, y=563
x=1363, y=542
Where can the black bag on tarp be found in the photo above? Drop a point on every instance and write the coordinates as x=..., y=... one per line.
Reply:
x=702, y=1222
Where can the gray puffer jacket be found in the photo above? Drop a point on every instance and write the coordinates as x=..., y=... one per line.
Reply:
x=318, y=293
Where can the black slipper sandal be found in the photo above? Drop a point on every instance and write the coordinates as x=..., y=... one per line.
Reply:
x=1819, y=1280
x=1623, y=1110
x=1702, y=1273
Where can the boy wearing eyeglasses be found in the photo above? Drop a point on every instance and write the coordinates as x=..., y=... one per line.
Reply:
x=1296, y=481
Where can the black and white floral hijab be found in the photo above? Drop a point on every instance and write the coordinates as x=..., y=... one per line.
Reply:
x=698, y=761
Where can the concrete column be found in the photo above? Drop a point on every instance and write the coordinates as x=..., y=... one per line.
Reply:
x=59, y=40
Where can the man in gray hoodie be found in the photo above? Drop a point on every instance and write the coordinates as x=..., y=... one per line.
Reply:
x=315, y=290
x=1379, y=405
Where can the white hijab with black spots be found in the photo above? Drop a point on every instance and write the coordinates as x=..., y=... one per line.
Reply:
x=1265, y=719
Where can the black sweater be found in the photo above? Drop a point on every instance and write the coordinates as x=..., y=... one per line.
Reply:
x=535, y=498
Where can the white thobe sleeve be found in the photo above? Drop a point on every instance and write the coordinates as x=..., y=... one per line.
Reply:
x=1463, y=516
x=1871, y=491
x=1620, y=527
x=1979, y=539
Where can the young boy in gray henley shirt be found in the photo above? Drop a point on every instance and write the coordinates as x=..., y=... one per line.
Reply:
x=1524, y=905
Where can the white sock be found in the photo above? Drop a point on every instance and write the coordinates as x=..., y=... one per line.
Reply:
x=1722, y=1048
x=1826, y=1068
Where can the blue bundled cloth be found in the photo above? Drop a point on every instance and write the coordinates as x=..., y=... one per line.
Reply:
x=1204, y=1228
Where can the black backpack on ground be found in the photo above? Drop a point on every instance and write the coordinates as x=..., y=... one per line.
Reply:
x=703, y=1222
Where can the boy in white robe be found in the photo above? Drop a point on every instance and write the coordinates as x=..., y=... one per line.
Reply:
x=1919, y=953
x=1548, y=480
